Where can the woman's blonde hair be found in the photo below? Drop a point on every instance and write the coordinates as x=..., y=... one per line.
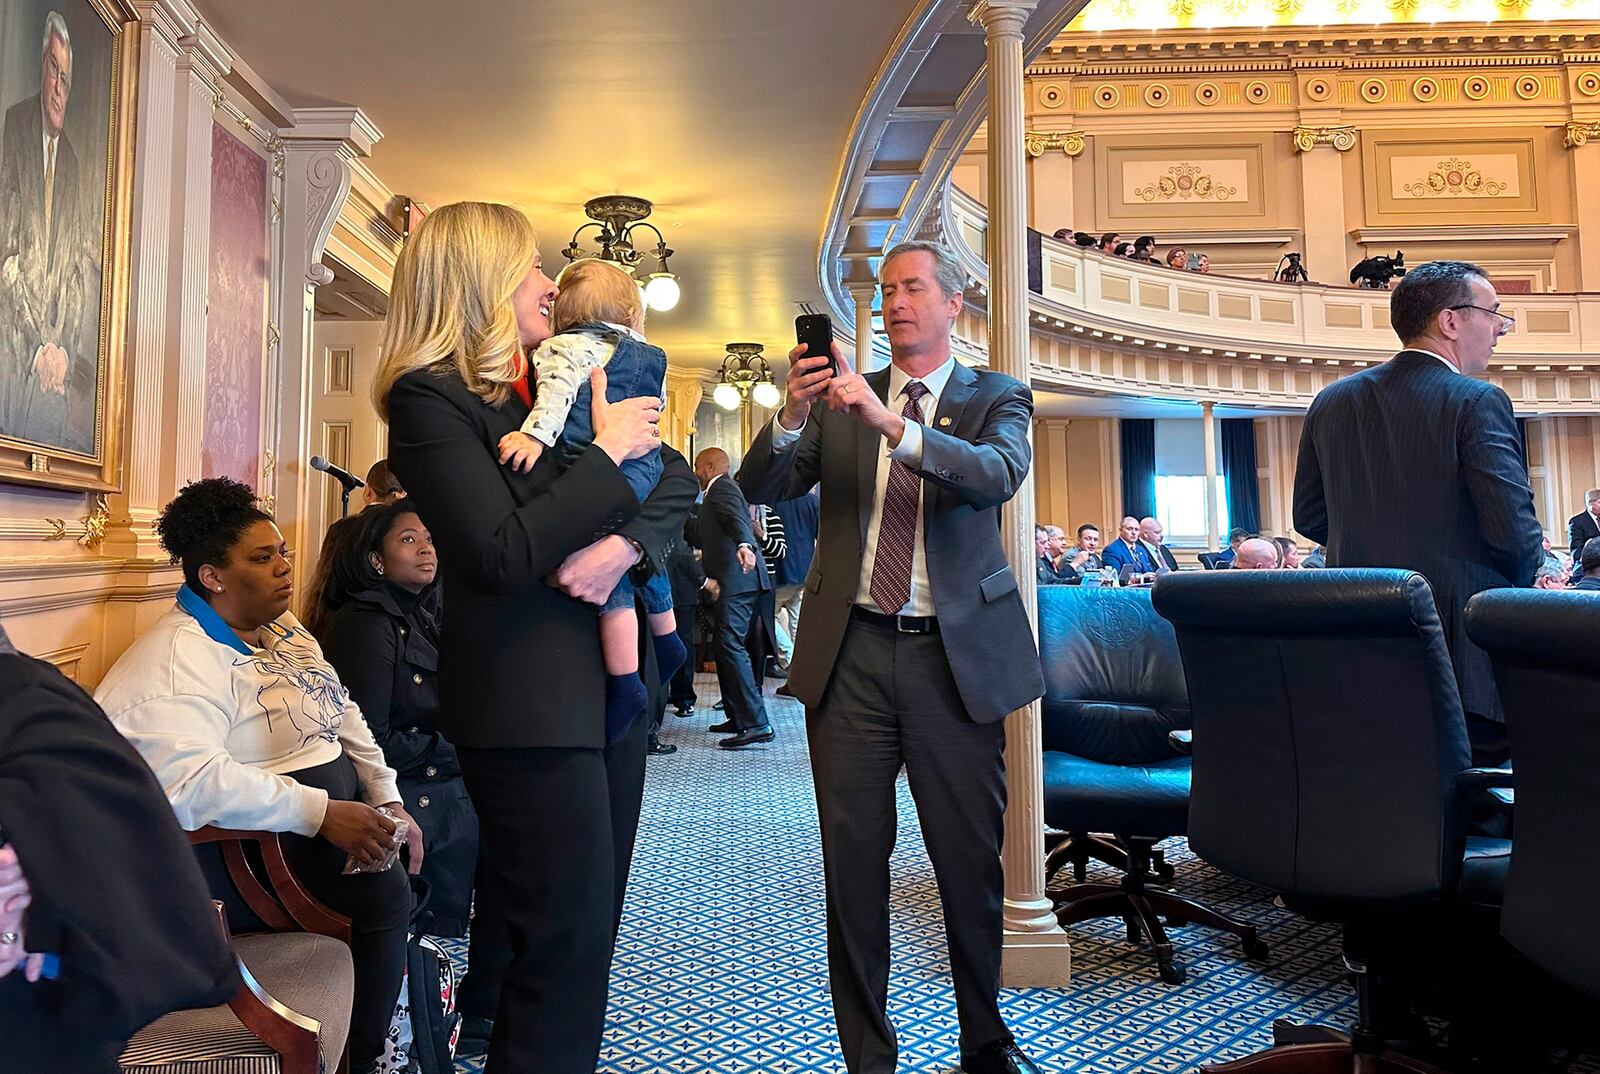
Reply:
x=451, y=299
x=596, y=291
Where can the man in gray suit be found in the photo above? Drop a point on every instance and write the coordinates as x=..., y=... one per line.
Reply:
x=915, y=643
x=1415, y=463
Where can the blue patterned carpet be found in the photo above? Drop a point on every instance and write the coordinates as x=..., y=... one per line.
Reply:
x=721, y=964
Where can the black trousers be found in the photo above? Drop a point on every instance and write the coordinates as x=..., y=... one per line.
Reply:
x=682, y=688
x=377, y=904
x=558, y=829
x=741, y=689
x=761, y=641
x=892, y=702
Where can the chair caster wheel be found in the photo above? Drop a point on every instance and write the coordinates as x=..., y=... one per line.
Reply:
x=1176, y=923
x=1256, y=950
x=1166, y=872
x=1173, y=972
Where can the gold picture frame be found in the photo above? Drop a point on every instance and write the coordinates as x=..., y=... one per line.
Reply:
x=88, y=454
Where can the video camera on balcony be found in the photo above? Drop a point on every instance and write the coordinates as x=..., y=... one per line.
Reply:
x=1376, y=272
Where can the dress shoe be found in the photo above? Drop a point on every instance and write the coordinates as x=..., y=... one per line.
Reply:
x=658, y=748
x=726, y=727
x=474, y=1038
x=718, y=706
x=682, y=709
x=748, y=737
x=1001, y=1057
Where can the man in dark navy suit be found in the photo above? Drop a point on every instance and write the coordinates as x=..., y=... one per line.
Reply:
x=1416, y=464
x=1582, y=528
x=736, y=576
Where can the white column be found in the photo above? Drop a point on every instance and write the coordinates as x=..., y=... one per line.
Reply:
x=318, y=151
x=1208, y=429
x=1036, y=952
x=134, y=510
x=863, y=292
x=203, y=62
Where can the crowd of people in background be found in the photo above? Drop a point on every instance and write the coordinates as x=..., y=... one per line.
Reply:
x=1139, y=554
x=1141, y=249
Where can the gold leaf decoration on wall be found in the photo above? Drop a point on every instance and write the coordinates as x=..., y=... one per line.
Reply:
x=1186, y=182
x=1455, y=178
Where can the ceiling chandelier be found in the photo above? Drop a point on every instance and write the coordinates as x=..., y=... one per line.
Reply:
x=617, y=216
x=745, y=374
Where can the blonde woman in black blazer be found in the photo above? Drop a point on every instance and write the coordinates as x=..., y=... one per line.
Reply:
x=531, y=556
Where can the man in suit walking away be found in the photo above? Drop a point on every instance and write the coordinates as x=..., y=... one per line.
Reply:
x=1582, y=528
x=1415, y=464
x=688, y=580
x=915, y=644
x=735, y=579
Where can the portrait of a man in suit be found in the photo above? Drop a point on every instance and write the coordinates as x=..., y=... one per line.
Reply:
x=49, y=243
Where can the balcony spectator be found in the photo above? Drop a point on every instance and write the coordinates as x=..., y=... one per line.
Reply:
x=1144, y=249
x=1200, y=263
x=1108, y=242
x=1178, y=258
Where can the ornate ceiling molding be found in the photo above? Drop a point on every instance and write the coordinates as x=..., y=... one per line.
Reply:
x=1038, y=143
x=1341, y=138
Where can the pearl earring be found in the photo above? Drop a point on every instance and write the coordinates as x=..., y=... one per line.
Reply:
x=219, y=589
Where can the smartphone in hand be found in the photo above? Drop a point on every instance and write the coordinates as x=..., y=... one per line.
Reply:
x=815, y=330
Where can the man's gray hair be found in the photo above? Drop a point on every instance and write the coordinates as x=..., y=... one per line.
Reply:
x=56, y=26
x=1591, y=496
x=947, y=271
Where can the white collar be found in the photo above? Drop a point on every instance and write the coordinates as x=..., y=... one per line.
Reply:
x=934, y=381
x=625, y=330
x=1433, y=354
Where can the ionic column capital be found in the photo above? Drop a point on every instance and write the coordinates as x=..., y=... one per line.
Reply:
x=1038, y=143
x=1342, y=138
x=1579, y=133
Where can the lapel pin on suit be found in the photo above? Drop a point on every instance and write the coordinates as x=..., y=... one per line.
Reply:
x=945, y=420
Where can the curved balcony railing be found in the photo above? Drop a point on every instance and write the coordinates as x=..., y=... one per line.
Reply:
x=1112, y=326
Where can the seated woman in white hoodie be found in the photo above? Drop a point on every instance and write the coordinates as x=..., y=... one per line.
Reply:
x=230, y=702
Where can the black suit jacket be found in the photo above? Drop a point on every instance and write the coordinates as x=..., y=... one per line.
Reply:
x=1581, y=529
x=1410, y=464
x=725, y=525
x=519, y=661
x=975, y=455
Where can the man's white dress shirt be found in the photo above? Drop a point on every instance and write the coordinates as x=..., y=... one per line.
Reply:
x=908, y=451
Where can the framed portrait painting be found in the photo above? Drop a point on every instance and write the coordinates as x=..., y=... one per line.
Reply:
x=67, y=89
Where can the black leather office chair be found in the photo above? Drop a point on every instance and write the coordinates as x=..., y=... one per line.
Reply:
x=1331, y=765
x=1546, y=652
x=1114, y=692
x=1208, y=560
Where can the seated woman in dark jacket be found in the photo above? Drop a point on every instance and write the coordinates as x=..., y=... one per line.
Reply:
x=383, y=639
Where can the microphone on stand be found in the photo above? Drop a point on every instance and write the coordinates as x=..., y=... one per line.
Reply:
x=349, y=481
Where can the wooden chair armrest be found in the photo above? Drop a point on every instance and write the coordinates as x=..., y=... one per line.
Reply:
x=287, y=906
x=291, y=1034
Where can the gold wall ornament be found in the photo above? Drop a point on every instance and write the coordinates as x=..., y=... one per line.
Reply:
x=1580, y=133
x=1455, y=178
x=95, y=522
x=1038, y=143
x=1308, y=138
x=1186, y=182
